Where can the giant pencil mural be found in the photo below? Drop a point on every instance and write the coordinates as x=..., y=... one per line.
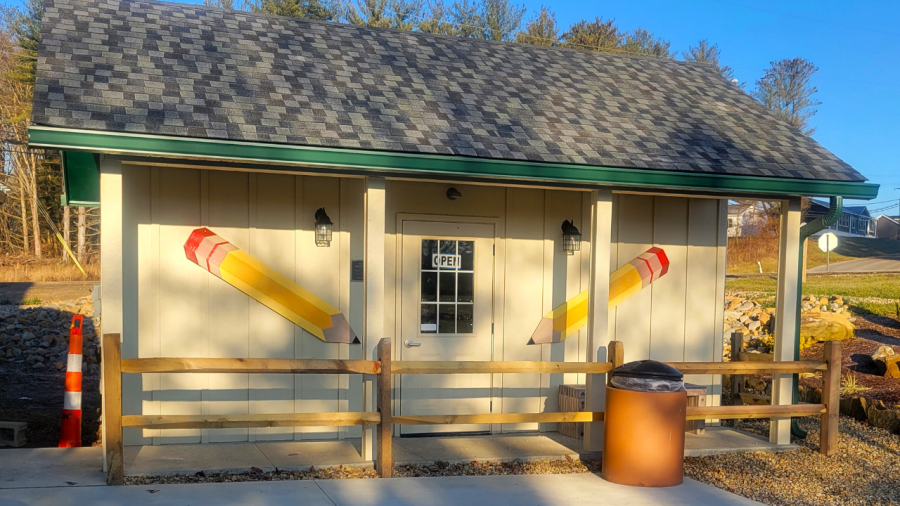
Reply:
x=259, y=281
x=570, y=317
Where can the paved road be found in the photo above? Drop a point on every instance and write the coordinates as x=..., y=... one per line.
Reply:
x=534, y=490
x=889, y=263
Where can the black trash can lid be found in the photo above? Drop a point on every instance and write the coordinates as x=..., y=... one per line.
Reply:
x=647, y=369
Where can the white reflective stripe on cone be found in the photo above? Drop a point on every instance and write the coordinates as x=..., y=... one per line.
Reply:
x=72, y=401
x=74, y=363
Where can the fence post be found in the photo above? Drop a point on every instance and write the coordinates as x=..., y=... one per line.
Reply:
x=384, y=460
x=112, y=408
x=616, y=355
x=831, y=396
x=737, y=380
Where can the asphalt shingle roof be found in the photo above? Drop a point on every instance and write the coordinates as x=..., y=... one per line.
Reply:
x=186, y=70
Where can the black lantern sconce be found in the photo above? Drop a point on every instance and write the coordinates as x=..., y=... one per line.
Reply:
x=324, y=227
x=571, y=238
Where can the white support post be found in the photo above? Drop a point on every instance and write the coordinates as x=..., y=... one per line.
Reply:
x=786, y=313
x=374, y=297
x=110, y=257
x=598, y=312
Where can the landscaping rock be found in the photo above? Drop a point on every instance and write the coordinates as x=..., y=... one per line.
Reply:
x=882, y=417
x=825, y=327
x=888, y=366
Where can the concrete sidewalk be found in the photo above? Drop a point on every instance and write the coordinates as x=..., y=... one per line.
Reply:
x=535, y=490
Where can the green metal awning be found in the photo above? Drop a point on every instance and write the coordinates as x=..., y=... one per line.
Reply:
x=82, y=182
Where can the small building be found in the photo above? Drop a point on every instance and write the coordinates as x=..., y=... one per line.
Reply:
x=854, y=221
x=447, y=167
x=887, y=227
x=746, y=218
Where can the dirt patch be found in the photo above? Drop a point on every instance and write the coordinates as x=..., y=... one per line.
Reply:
x=14, y=293
x=36, y=397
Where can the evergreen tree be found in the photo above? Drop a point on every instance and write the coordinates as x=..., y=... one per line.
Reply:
x=500, y=19
x=704, y=52
x=465, y=19
x=27, y=31
x=400, y=14
x=641, y=41
x=437, y=21
x=540, y=30
x=786, y=89
x=306, y=9
x=597, y=35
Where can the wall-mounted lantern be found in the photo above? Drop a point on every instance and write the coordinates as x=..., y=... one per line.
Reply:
x=324, y=227
x=571, y=238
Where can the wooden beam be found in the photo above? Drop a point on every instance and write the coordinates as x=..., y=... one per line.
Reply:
x=598, y=310
x=112, y=408
x=249, y=365
x=729, y=412
x=374, y=289
x=247, y=421
x=384, y=462
x=616, y=355
x=580, y=416
x=831, y=396
x=431, y=367
x=748, y=367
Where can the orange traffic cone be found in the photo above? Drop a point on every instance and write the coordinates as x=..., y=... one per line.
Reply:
x=70, y=435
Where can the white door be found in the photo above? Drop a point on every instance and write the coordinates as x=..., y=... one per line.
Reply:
x=446, y=310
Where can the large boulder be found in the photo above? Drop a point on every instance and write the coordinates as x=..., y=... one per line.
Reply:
x=825, y=327
x=887, y=362
x=883, y=417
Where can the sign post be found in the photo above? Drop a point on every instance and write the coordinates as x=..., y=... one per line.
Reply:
x=828, y=242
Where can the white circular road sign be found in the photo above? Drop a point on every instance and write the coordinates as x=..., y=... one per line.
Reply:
x=827, y=242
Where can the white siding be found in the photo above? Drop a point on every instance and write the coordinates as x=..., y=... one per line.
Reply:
x=181, y=310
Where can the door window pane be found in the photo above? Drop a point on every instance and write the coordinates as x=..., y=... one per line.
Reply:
x=447, y=319
x=465, y=291
x=448, y=287
x=429, y=286
x=428, y=321
x=429, y=248
x=467, y=252
x=464, y=319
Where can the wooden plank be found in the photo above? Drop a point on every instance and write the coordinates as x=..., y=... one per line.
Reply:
x=583, y=416
x=831, y=396
x=474, y=367
x=384, y=462
x=374, y=282
x=729, y=412
x=112, y=408
x=616, y=355
x=748, y=367
x=250, y=365
x=247, y=421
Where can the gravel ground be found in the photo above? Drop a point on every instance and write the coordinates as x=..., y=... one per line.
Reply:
x=438, y=468
x=864, y=472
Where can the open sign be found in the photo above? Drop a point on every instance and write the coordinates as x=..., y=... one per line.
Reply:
x=445, y=261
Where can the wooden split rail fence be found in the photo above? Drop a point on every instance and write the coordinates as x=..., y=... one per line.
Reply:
x=383, y=369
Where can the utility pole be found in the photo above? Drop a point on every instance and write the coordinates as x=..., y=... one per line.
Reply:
x=898, y=216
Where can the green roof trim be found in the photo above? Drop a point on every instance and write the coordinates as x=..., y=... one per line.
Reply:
x=437, y=165
x=81, y=179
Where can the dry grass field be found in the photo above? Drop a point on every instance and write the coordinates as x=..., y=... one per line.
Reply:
x=14, y=270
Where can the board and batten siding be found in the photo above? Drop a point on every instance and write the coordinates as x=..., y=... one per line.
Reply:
x=173, y=308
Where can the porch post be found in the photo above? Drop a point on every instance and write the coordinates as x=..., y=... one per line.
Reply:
x=110, y=259
x=786, y=322
x=373, y=317
x=598, y=311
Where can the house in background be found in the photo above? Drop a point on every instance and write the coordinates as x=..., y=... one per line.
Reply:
x=418, y=147
x=855, y=221
x=887, y=227
x=745, y=218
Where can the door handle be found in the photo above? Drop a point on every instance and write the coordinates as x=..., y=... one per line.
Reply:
x=409, y=344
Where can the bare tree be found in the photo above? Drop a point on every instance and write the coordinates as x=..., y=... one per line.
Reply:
x=81, y=228
x=67, y=220
x=786, y=89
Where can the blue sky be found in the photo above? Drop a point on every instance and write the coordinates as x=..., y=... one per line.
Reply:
x=855, y=44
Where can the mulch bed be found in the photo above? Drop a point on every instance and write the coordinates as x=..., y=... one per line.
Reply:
x=437, y=468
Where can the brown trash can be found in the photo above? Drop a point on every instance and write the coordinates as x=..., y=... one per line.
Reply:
x=643, y=437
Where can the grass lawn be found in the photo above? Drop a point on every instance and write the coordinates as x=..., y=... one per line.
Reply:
x=849, y=248
x=849, y=286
